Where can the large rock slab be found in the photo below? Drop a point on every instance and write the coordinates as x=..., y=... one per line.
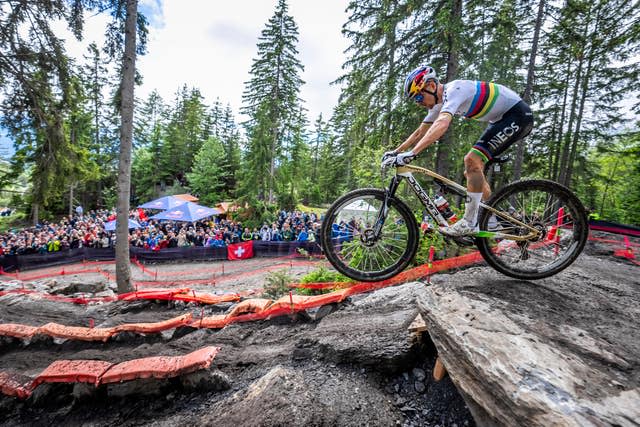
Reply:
x=560, y=351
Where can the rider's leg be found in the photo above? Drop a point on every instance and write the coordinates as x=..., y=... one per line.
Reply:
x=477, y=186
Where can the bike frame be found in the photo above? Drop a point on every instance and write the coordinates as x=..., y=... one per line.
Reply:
x=406, y=172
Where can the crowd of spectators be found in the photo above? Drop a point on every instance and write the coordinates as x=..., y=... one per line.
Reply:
x=87, y=229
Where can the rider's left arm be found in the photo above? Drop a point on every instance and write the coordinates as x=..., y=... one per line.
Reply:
x=435, y=132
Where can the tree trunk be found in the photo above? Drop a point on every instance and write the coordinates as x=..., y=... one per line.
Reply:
x=35, y=212
x=446, y=143
x=566, y=144
x=71, y=198
x=583, y=97
x=390, y=47
x=567, y=157
x=560, y=126
x=123, y=267
x=526, y=96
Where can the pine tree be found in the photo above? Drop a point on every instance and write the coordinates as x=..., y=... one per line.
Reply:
x=229, y=136
x=36, y=79
x=149, y=135
x=187, y=130
x=208, y=175
x=271, y=100
x=368, y=102
x=589, y=67
x=95, y=77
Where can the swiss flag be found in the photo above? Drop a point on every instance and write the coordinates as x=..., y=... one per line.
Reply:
x=242, y=250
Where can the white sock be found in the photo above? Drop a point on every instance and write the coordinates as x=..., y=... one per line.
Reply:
x=471, y=208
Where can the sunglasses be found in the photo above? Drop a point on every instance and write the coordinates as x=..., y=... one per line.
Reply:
x=418, y=98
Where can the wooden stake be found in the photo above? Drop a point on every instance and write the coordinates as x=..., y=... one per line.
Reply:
x=418, y=324
x=439, y=371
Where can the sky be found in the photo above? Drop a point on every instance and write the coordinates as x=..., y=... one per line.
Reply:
x=210, y=45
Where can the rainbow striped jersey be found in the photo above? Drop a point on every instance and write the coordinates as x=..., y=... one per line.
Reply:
x=472, y=99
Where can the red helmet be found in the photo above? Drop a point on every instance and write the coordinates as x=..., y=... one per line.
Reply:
x=416, y=80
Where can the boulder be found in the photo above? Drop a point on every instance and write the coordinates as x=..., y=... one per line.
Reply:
x=561, y=351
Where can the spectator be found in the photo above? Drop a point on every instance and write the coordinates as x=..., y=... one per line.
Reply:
x=265, y=233
x=246, y=235
x=172, y=240
x=276, y=236
x=255, y=235
x=303, y=236
x=287, y=233
x=183, y=241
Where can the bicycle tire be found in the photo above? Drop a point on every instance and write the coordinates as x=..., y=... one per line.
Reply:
x=394, y=245
x=548, y=249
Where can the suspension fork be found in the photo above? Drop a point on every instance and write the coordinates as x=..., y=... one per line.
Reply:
x=384, y=211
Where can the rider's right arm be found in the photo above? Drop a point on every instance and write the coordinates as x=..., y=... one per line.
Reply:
x=414, y=137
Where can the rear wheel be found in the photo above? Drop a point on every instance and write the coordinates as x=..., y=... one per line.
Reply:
x=349, y=241
x=550, y=208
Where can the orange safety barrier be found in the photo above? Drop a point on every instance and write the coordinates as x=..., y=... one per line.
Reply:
x=210, y=322
x=76, y=332
x=73, y=371
x=253, y=305
x=183, y=294
x=80, y=333
x=149, y=328
x=252, y=309
x=99, y=372
x=160, y=366
x=17, y=331
x=15, y=385
x=160, y=294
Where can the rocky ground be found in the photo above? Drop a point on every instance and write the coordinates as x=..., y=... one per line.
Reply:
x=355, y=363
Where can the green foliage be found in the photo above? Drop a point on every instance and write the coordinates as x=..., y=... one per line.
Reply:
x=187, y=130
x=207, y=177
x=277, y=284
x=253, y=212
x=613, y=191
x=271, y=101
x=16, y=221
x=66, y=130
x=322, y=275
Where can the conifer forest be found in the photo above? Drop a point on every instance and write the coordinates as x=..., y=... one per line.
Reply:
x=576, y=62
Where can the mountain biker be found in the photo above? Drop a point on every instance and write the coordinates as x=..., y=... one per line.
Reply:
x=510, y=119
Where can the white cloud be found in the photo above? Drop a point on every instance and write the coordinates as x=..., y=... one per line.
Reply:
x=210, y=45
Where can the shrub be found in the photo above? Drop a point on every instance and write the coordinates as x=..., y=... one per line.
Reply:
x=277, y=284
x=322, y=275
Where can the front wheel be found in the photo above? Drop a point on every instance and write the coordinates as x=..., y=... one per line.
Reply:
x=553, y=210
x=349, y=241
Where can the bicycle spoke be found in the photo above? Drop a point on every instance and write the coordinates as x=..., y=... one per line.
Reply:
x=553, y=214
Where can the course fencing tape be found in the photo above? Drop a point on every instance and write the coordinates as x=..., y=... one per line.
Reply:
x=98, y=372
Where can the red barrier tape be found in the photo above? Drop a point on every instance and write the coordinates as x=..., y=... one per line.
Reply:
x=80, y=333
x=73, y=371
x=160, y=367
x=99, y=372
x=15, y=385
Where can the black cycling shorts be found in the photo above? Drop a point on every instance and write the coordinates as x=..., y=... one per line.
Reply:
x=514, y=125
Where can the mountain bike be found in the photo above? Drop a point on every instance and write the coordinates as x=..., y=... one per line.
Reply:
x=529, y=229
